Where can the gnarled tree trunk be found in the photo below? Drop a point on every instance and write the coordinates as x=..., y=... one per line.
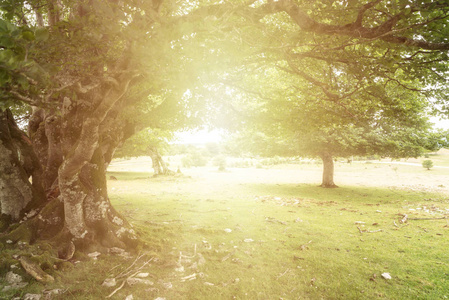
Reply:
x=75, y=144
x=328, y=170
x=18, y=195
x=88, y=214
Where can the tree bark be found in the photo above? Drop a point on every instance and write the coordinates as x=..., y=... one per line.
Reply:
x=159, y=166
x=75, y=147
x=89, y=216
x=17, y=165
x=328, y=170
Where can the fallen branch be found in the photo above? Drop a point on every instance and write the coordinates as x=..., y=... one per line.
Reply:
x=117, y=289
x=282, y=274
x=126, y=270
x=130, y=272
x=35, y=270
x=440, y=218
x=368, y=231
x=189, y=277
x=404, y=219
x=274, y=220
x=425, y=230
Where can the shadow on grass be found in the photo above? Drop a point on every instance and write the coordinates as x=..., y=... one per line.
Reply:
x=128, y=175
x=343, y=193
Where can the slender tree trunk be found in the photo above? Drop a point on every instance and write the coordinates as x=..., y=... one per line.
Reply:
x=159, y=166
x=328, y=170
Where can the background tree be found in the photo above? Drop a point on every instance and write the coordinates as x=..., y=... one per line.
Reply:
x=428, y=164
x=151, y=143
x=332, y=83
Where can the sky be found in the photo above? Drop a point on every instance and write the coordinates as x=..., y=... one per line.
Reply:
x=202, y=136
x=442, y=124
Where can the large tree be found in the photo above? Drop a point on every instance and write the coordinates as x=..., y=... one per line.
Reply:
x=93, y=73
x=338, y=79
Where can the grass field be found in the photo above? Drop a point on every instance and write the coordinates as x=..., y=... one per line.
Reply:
x=273, y=234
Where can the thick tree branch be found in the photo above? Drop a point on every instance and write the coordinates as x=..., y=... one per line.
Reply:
x=355, y=29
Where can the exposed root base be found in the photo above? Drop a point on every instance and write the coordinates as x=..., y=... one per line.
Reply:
x=328, y=186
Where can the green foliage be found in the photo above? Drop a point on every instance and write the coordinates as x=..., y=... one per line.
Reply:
x=19, y=73
x=428, y=164
x=140, y=143
x=220, y=162
x=195, y=158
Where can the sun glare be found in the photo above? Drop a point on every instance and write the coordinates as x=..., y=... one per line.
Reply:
x=202, y=136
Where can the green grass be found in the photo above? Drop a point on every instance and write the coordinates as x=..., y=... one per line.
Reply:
x=304, y=243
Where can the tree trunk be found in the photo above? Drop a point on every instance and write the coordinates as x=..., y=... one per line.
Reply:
x=17, y=194
x=89, y=216
x=75, y=147
x=159, y=166
x=328, y=170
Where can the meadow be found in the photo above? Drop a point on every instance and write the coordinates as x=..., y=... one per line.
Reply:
x=272, y=233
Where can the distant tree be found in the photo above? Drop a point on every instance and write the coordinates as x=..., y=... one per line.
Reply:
x=294, y=116
x=428, y=164
x=220, y=162
x=327, y=83
x=148, y=142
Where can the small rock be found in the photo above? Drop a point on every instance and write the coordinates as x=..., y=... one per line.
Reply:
x=32, y=297
x=94, y=255
x=9, y=242
x=48, y=295
x=108, y=282
x=116, y=250
x=142, y=275
x=359, y=222
x=133, y=281
x=386, y=276
x=228, y=230
x=6, y=288
x=167, y=285
x=179, y=269
x=13, y=278
x=248, y=240
x=129, y=297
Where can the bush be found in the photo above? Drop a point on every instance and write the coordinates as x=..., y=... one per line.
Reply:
x=220, y=162
x=427, y=164
x=194, y=159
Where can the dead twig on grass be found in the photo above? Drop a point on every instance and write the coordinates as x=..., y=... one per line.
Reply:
x=282, y=274
x=130, y=272
x=368, y=231
x=404, y=219
x=440, y=218
x=274, y=220
x=117, y=289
